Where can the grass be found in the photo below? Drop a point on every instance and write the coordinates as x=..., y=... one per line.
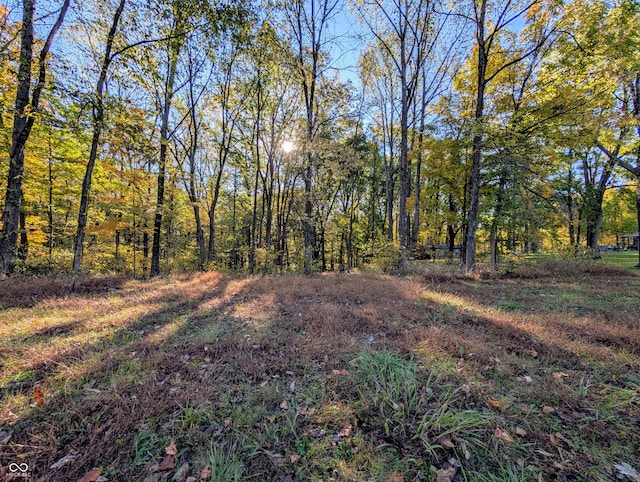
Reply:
x=621, y=259
x=528, y=375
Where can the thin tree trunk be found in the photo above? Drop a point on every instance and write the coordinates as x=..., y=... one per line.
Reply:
x=162, y=162
x=98, y=120
x=493, y=237
x=193, y=197
x=50, y=206
x=211, y=248
x=254, y=214
x=570, y=209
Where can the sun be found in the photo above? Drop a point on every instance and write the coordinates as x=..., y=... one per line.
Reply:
x=288, y=146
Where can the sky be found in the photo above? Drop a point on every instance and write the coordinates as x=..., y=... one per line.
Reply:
x=350, y=38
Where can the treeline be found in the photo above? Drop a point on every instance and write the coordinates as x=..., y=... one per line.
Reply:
x=145, y=137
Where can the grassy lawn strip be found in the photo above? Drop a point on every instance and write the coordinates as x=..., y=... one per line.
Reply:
x=532, y=375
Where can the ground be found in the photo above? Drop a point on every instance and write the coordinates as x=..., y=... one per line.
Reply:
x=528, y=374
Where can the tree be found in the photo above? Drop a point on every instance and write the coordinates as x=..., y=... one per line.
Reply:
x=97, y=121
x=308, y=21
x=409, y=39
x=26, y=106
x=490, y=21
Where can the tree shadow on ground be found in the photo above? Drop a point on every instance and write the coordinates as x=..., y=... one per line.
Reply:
x=206, y=338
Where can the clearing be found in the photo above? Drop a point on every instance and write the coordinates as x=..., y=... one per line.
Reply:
x=364, y=377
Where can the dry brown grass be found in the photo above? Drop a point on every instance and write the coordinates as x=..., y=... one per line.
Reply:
x=117, y=358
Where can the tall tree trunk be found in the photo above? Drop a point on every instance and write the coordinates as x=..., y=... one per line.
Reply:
x=476, y=152
x=254, y=214
x=193, y=197
x=415, y=226
x=211, y=247
x=570, y=209
x=174, y=53
x=50, y=207
x=98, y=120
x=390, y=196
x=405, y=176
x=493, y=237
x=308, y=220
x=26, y=104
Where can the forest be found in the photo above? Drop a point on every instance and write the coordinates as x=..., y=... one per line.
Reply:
x=145, y=137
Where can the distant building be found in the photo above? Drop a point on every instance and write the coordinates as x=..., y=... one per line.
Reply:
x=630, y=241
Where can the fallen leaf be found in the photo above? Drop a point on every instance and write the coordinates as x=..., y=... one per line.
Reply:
x=305, y=411
x=397, y=477
x=343, y=373
x=67, y=459
x=502, y=435
x=205, y=474
x=625, y=470
x=91, y=476
x=207, y=359
x=548, y=409
x=182, y=473
x=446, y=475
x=171, y=448
x=292, y=387
x=294, y=458
x=559, y=375
x=521, y=432
x=227, y=424
x=465, y=450
x=284, y=405
x=271, y=418
x=38, y=397
x=559, y=466
x=534, y=353
x=446, y=442
x=494, y=403
x=346, y=431
x=167, y=463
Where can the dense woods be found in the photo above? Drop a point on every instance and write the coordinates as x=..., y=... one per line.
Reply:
x=307, y=135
